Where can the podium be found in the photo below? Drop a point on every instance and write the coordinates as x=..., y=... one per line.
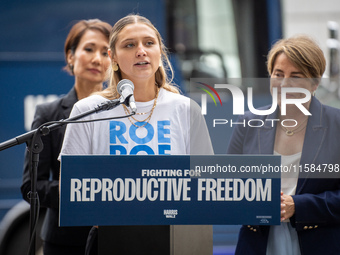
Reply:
x=156, y=240
x=165, y=204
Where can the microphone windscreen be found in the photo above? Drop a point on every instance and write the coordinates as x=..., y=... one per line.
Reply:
x=122, y=83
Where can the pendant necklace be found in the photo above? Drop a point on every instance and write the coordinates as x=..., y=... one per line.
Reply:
x=294, y=131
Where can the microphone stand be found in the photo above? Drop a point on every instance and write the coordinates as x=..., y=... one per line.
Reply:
x=33, y=140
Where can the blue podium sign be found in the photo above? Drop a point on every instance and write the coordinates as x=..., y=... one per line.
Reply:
x=169, y=190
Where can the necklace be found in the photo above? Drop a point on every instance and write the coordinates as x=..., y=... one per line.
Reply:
x=142, y=113
x=294, y=131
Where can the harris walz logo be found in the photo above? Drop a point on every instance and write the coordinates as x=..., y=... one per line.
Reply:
x=170, y=213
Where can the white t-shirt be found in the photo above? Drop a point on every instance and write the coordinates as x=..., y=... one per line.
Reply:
x=167, y=132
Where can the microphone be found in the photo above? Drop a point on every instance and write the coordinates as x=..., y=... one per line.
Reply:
x=125, y=89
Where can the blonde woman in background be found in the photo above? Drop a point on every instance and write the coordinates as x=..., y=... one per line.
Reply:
x=310, y=207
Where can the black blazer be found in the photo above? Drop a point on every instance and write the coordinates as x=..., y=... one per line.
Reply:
x=317, y=200
x=48, y=173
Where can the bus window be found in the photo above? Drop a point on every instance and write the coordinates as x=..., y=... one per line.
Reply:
x=223, y=38
x=216, y=31
x=202, y=34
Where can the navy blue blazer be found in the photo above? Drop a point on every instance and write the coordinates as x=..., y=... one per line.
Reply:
x=48, y=173
x=317, y=200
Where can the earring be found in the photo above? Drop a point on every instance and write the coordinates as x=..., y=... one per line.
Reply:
x=115, y=67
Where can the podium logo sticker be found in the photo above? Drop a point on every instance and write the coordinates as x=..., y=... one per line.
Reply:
x=264, y=219
x=170, y=213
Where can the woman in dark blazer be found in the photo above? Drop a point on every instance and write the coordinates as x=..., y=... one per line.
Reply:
x=87, y=59
x=310, y=207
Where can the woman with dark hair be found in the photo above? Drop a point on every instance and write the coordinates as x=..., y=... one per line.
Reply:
x=310, y=206
x=164, y=117
x=87, y=60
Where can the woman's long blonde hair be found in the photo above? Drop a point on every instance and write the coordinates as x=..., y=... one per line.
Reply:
x=164, y=74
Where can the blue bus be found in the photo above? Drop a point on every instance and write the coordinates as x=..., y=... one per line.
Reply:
x=206, y=39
